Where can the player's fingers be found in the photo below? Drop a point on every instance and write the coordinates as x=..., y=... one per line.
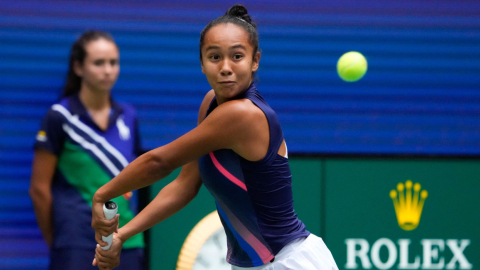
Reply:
x=98, y=238
x=109, y=259
x=106, y=230
x=109, y=226
x=104, y=265
x=99, y=261
x=109, y=230
x=105, y=262
x=105, y=226
x=105, y=223
x=108, y=256
x=102, y=260
x=101, y=226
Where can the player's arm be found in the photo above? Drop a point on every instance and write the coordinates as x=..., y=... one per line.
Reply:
x=43, y=168
x=168, y=201
x=173, y=197
x=225, y=128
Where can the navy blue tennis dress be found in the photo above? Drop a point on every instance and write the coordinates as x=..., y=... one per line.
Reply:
x=254, y=198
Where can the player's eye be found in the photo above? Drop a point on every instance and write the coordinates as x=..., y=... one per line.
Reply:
x=98, y=62
x=214, y=57
x=237, y=56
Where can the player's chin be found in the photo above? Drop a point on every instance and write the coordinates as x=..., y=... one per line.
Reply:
x=228, y=86
x=228, y=90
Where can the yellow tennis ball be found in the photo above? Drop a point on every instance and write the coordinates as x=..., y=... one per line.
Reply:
x=351, y=66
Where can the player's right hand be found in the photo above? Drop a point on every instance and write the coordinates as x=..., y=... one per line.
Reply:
x=108, y=259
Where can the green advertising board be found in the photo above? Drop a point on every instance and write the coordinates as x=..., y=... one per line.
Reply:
x=403, y=214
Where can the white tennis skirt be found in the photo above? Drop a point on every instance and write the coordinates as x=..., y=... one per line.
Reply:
x=309, y=253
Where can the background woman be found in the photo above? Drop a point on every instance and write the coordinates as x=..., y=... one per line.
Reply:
x=85, y=140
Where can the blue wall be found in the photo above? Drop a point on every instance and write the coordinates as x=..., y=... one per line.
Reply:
x=420, y=96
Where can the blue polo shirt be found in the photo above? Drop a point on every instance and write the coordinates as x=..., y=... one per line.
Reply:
x=88, y=158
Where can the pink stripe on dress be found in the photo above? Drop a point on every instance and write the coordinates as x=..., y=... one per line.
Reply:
x=262, y=251
x=228, y=175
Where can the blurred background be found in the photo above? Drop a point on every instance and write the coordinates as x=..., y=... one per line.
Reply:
x=415, y=115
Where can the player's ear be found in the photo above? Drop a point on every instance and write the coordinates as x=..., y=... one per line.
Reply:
x=201, y=64
x=77, y=68
x=256, y=61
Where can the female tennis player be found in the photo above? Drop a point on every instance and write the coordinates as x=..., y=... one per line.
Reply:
x=237, y=151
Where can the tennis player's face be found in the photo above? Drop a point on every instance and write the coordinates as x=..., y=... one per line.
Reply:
x=101, y=67
x=227, y=60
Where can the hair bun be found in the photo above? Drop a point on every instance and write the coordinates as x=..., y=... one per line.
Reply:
x=241, y=12
x=237, y=11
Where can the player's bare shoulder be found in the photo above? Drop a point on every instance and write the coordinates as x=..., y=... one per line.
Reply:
x=243, y=110
x=242, y=117
x=207, y=100
x=235, y=118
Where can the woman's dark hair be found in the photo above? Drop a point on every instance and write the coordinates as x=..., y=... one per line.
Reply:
x=238, y=15
x=78, y=54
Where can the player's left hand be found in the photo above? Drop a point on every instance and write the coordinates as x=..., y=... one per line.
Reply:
x=108, y=259
x=102, y=226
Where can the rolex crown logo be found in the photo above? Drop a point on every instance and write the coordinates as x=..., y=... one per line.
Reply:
x=408, y=206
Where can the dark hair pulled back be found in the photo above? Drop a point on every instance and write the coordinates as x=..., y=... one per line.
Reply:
x=238, y=15
x=78, y=54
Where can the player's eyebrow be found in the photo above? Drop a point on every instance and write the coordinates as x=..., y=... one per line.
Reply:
x=213, y=47
x=237, y=46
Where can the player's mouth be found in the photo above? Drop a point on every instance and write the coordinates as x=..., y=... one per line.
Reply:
x=227, y=83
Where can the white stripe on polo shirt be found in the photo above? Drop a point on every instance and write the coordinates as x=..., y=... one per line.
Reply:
x=92, y=147
x=76, y=122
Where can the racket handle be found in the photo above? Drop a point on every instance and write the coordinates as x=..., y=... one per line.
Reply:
x=109, y=210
